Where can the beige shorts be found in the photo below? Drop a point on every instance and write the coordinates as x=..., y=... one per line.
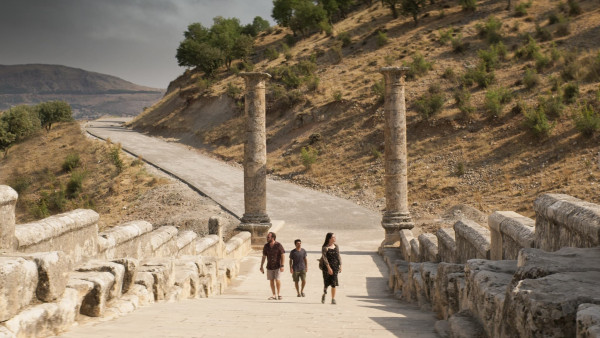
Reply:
x=273, y=274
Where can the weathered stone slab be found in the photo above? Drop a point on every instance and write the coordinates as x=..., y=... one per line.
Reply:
x=74, y=232
x=162, y=242
x=239, y=245
x=8, y=201
x=447, y=245
x=390, y=255
x=125, y=240
x=53, y=273
x=145, y=279
x=472, y=241
x=131, y=266
x=428, y=275
x=487, y=282
x=510, y=232
x=116, y=269
x=446, y=296
x=46, y=319
x=588, y=321
x=186, y=243
x=565, y=221
x=406, y=236
x=534, y=263
x=208, y=246
x=144, y=294
x=428, y=248
x=230, y=267
x=18, y=284
x=94, y=303
x=414, y=251
x=463, y=325
x=82, y=287
x=163, y=272
x=399, y=276
x=5, y=333
x=187, y=277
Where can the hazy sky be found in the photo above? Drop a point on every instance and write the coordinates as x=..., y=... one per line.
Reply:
x=135, y=40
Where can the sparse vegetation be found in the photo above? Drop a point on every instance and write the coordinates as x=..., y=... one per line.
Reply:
x=496, y=99
x=418, y=67
x=537, y=122
x=490, y=30
x=468, y=5
x=531, y=78
x=71, y=162
x=431, y=103
x=308, y=156
x=463, y=102
x=587, y=121
x=382, y=39
x=570, y=92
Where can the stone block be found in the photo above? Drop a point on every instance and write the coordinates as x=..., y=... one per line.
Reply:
x=428, y=248
x=588, y=321
x=162, y=242
x=414, y=251
x=145, y=295
x=18, y=284
x=145, y=279
x=510, y=232
x=131, y=266
x=565, y=221
x=117, y=270
x=5, y=333
x=186, y=243
x=163, y=272
x=428, y=275
x=447, y=245
x=486, y=285
x=125, y=240
x=446, y=297
x=390, y=255
x=239, y=245
x=463, y=325
x=400, y=274
x=534, y=263
x=8, y=201
x=46, y=319
x=208, y=246
x=187, y=277
x=547, y=306
x=406, y=236
x=230, y=267
x=472, y=241
x=94, y=302
x=53, y=273
x=74, y=232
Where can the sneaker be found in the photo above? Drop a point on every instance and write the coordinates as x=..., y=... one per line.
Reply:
x=333, y=302
x=303, y=295
x=323, y=298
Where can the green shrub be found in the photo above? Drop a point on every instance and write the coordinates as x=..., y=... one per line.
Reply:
x=555, y=53
x=563, y=29
x=308, y=156
x=537, y=122
x=531, y=78
x=542, y=33
x=592, y=68
x=574, y=7
x=528, y=51
x=478, y=75
x=20, y=184
x=233, y=91
x=418, y=67
x=587, y=121
x=71, y=162
x=541, y=61
x=431, y=103
x=271, y=53
x=379, y=90
x=458, y=45
x=495, y=99
x=203, y=84
x=115, y=157
x=445, y=35
x=555, y=18
x=312, y=83
x=521, y=9
x=491, y=56
x=337, y=96
x=570, y=92
x=460, y=169
x=490, y=30
x=382, y=39
x=345, y=38
x=552, y=105
x=449, y=74
x=468, y=5
x=75, y=184
x=463, y=102
x=555, y=83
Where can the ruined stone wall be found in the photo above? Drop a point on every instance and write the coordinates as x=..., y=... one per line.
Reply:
x=517, y=278
x=56, y=270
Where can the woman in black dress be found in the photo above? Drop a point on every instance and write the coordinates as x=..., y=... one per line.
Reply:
x=332, y=266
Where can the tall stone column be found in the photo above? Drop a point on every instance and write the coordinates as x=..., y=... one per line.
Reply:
x=255, y=217
x=396, y=216
x=8, y=201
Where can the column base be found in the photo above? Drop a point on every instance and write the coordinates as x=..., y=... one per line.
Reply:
x=258, y=232
x=392, y=223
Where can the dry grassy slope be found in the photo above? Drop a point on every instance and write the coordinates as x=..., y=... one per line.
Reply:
x=36, y=164
x=505, y=168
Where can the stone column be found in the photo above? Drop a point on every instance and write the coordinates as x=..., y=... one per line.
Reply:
x=255, y=217
x=8, y=201
x=396, y=216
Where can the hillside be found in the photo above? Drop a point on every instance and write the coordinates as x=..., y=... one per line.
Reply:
x=90, y=94
x=477, y=151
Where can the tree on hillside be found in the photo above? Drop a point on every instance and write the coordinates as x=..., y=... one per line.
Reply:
x=412, y=8
x=226, y=35
x=201, y=55
x=52, y=112
x=335, y=7
x=6, y=137
x=21, y=121
x=258, y=25
x=301, y=16
x=392, y=5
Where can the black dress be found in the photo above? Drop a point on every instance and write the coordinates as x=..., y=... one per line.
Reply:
x=333, y=257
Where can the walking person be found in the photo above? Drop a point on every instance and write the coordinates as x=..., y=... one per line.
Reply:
x=298, y=267
x=332, y=265
x=274, y=253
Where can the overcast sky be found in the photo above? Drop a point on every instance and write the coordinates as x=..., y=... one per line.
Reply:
x=135, y=40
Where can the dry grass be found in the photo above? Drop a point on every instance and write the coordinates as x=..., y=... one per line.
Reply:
x=37, y=164
x=505, y=168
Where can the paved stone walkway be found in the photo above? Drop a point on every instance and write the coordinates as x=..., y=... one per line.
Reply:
x=365, y=307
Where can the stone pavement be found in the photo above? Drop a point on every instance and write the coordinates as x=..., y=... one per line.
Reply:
x=365, y=306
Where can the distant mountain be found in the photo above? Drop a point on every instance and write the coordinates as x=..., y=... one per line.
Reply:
x=90, y=94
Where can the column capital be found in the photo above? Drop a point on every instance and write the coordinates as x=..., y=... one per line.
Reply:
x=394, y=70
x=255, y=75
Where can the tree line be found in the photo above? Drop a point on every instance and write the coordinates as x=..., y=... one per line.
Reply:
x=19, y=122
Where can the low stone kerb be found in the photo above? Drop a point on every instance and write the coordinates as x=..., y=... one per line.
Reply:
x=54, y=226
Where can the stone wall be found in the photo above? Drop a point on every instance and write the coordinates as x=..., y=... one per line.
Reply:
x=517, y=278
x=44, y=291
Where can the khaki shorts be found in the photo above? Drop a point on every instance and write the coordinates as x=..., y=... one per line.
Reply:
x=297, y=275
x=273, y=274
